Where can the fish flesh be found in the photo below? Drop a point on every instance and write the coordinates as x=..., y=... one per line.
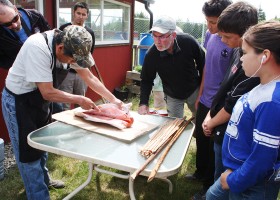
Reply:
x=109, y=114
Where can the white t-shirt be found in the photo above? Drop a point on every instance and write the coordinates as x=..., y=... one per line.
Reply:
x=33, y=64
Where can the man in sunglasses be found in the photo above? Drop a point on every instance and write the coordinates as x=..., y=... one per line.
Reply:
x=16, y=25
x=179, y=60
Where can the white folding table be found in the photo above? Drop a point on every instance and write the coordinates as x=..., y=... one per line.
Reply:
x=98, y=150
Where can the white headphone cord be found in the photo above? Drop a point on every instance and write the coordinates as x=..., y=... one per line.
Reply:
x=245, y=80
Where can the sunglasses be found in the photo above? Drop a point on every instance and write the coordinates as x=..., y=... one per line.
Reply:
x=14, y=20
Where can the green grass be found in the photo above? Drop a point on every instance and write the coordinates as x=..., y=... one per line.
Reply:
x=105, y=187
x=102, y=186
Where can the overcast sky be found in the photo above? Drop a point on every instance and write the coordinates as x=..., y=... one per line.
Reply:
x=191, y=10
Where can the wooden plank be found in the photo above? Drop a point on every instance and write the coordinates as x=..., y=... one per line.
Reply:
x=133, y=75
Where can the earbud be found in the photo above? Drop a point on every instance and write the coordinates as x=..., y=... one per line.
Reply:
x=263, y=58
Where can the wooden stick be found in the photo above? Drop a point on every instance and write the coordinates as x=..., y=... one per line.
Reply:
x=138, y=171
x=168, y=147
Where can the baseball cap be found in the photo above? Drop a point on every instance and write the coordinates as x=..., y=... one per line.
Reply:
x=79, y=41
x=164, y=24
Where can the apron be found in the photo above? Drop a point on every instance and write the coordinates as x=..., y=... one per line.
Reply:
x=32, y=113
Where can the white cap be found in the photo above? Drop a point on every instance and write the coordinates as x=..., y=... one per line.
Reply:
x=164, y=24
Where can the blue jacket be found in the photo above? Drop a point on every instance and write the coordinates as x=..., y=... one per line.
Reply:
x=252, y=138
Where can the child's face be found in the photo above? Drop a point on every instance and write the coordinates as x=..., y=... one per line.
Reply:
x=232, y=40
x=212, y=24
x=251, y=62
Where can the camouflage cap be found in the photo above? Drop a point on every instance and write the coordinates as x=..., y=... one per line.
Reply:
x=79, y=41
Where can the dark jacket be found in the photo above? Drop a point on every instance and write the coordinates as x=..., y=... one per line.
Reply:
x=234, y=85
x=10, y=46
x=180, y=72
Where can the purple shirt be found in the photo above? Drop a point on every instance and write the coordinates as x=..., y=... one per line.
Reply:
x=216, y=63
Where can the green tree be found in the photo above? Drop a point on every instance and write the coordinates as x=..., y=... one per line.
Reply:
x=141, y=15
x=261, y=15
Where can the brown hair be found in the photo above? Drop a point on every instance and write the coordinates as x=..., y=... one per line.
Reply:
x=265, y=35
x=237, y=18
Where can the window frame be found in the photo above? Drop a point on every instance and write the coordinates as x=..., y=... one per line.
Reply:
x=103, y=42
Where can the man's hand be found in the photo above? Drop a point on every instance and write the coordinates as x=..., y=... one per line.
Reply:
x=143, y=109
x=207, y=130
x=224, y=179
x=87, y=103
x=118, y=102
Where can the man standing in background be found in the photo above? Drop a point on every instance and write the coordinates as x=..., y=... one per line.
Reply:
x=73, y=83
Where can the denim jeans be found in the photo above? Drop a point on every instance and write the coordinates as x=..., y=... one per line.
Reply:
x=263, y=190
x=34, y=174
x=216, y=192
x=219, y=167
x=175, y=107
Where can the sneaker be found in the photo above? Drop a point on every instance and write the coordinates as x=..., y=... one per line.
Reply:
x=57, y=184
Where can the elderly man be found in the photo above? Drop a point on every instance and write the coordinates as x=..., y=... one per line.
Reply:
x=29, y=90
x=178, y=60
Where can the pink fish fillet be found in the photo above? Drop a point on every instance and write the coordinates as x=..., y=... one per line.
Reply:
x=109, y=114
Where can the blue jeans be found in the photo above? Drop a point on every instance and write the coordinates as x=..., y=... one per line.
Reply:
x=219, y=167
x=34, y=174
x=263, y=190
x=175, y=107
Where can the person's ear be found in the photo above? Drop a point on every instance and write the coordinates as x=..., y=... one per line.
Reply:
x=174, y=34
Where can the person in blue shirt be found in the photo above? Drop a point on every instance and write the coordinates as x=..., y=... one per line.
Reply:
x=250, y=148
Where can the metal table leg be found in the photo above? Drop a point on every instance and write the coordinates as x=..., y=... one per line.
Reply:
x=78, y=189
x=169, y=184
x=131, y=189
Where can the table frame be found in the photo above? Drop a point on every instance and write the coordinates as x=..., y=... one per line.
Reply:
x=49, y=137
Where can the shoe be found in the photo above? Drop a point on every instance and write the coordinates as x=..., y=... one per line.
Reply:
x=201, y=195
x=57, y=184
x=193, y=177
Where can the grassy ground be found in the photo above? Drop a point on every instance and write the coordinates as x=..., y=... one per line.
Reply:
x=105, y=187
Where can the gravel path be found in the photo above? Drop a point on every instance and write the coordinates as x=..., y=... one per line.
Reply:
x=9, y=160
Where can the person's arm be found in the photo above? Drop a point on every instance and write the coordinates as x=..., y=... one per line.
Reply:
x=220, y=118
x=49, y=93
x=38, y=20
x=94, y=83
x=199, y=57
x=6, y=61
x=148, y=74
x=200, y=89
